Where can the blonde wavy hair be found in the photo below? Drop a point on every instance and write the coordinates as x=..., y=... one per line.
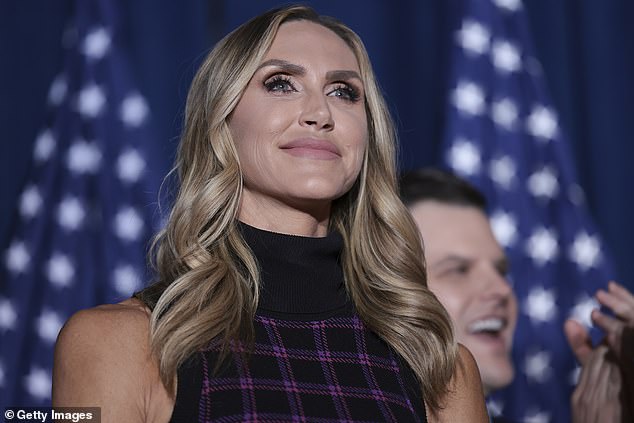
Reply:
x=207, y=287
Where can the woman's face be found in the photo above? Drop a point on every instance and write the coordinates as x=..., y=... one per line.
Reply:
x=300, y=128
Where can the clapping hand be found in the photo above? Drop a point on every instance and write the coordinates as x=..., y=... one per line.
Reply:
x=606, y=380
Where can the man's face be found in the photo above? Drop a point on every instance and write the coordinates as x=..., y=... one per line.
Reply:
x=466, y=270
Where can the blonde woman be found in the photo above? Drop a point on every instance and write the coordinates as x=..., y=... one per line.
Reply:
x=290, y=281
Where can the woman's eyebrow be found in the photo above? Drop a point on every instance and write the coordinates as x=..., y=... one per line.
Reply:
x=342, y=75
x=284, y=66
x=294, y=69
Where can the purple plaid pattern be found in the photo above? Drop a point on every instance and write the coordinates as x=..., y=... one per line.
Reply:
x=309, y=371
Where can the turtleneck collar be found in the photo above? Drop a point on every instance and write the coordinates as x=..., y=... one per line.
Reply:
x=301, y=277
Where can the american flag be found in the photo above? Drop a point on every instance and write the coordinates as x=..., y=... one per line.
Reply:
x=84, y=216
x=503, y=135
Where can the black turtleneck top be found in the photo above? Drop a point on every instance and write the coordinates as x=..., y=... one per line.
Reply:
x=313, y=359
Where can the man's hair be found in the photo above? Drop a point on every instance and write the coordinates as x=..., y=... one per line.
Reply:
x=427, y=184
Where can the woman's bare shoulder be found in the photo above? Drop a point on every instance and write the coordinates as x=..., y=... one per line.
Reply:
x=129, y=317
x=107, y=330
x=103, y=358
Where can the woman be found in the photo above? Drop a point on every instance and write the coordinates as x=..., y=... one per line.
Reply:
x=289, y=279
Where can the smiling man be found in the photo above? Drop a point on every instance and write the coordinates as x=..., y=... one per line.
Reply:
x=466, y=268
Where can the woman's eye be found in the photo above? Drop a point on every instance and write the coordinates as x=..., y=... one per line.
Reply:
x=345, y=92
x=279, y=84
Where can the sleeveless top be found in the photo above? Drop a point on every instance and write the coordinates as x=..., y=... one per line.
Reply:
x=313, y=359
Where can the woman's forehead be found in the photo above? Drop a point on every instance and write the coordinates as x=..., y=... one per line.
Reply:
x=310, y=42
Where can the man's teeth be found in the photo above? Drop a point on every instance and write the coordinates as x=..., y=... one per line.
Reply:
x=487, y=325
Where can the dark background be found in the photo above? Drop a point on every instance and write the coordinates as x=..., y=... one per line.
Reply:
x=585, y=48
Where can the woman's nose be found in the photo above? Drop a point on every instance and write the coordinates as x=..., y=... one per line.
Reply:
x=316, y=112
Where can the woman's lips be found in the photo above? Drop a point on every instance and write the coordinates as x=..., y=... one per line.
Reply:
x=311, y=148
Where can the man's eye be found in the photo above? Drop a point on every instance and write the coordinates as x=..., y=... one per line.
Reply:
x=457, y=271
x=461, y=270
x=279, y=84
x=452, y=273
x=503, y=271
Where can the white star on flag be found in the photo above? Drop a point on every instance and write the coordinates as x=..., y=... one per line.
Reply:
x=17, y=257
x=534, y=67
x=130, y=166
x=473, y=37
x=540, y=305
x=96, y=44
x=134, y=110
x=8, y=315
x=537, y=366
x=126, y=280
x=508, y=5
x=543, y=183
x=502, y=170
x=504, y=113
x=30, y=202
x=542, y=123
x=60, y=270
x=583, y=309
x=504, y=227
x=468, y=97
x=536, y=416
x=48, y=325
x=464, y=157
x=44, y=146
x=58, y=90
x=70, y=214
x=84, y=157
x=505, y=56
x=91, y=101
x=494, y=407
x=585, y=251
x=576, y=195
x=38, y=383
x=542, y=246
x=128, y=225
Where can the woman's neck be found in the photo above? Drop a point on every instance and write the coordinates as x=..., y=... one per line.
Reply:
x=285, y=217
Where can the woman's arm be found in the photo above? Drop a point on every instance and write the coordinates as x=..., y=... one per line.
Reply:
x=102, y=359
x=464, y=401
